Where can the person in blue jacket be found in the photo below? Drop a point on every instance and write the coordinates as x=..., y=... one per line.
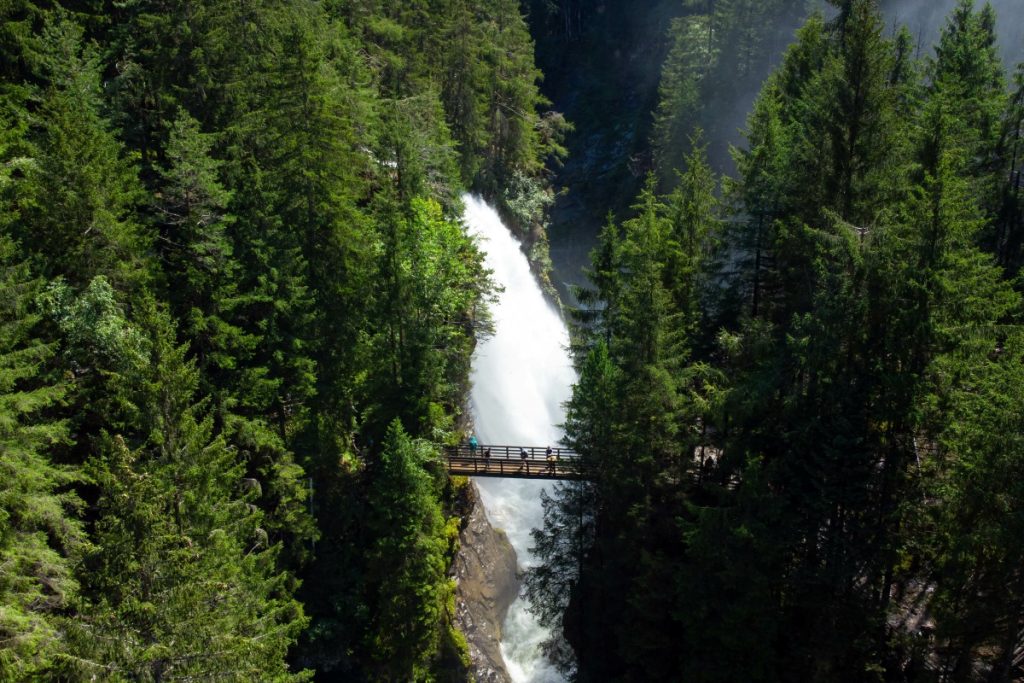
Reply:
x=473, y=443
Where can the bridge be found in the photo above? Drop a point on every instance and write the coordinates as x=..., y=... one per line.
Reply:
x=509, y=462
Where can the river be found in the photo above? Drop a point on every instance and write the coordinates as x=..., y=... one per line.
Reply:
x=521, y=378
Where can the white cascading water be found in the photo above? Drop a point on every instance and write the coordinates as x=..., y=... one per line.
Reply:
x=522, y=376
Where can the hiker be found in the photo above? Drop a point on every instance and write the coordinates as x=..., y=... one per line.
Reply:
x=552, y=460
x=523, y=455
x=473, y=444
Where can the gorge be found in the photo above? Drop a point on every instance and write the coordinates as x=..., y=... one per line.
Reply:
x=521, y=377
x=246, y=314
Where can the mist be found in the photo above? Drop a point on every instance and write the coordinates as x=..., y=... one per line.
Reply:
x=605, y=79
x=925, y=19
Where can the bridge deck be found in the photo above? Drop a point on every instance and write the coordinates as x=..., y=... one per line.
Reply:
x=507, y=461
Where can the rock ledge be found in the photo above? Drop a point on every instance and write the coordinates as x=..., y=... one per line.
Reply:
x=485, y=570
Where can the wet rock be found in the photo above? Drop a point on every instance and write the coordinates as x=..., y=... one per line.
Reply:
x=485, y=570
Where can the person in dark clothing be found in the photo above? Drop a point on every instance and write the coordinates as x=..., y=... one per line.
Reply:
x=523, y=455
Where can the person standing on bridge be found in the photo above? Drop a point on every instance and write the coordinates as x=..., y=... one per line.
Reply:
x=523, y=455
x=473, y=443
x=552, y=460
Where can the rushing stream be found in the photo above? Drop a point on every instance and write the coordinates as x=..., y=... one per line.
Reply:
x=521, y=377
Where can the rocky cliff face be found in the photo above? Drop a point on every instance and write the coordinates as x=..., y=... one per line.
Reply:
x=485, y=569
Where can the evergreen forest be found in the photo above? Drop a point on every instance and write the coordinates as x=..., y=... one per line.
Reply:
x=238, y=305
x=800, y=386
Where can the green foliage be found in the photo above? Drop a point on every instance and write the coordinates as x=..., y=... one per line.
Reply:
x=80, y=200
x=685, y=68
x=481, y=55
x=93, y=325
x=693, y=224
x=521, y=140
x=968, y=75
x=527, y=199
x=40, y=536
x=256, y=204
x=463, y=89
x=1009, y=232
x=183, y=581
x=567, y=534
x=763, y=167
x=432, y=284
x=247, y=214
x=804, y=475
x=633, y=417
x=407, y=587
x=197, y=252
x=979, y=496
x=719, y=52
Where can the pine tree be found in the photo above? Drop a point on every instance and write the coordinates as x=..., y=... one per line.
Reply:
x=183, y=581
x=847, y=142
x=462, y=88
x=959, y=306
x=80, y=211
x=419, y=150
x=762, y=167
x=198, y=255
x=202, y=275
x=692, y=212
x=285, y=155
x=835, y=460
x=967, y=76
x=1010, y=222
x=40, y=535
x=722, y=592
x=303, y=242
x=719, y=52
x=512, y=95
x=635, y=417
x=556, y=588
x=405, y=564
x=159, y=52
x=431, y=283
x=980, y=594
x=680, y=88
x=772, y=186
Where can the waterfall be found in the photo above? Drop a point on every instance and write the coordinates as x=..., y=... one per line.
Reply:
x=521, y=377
